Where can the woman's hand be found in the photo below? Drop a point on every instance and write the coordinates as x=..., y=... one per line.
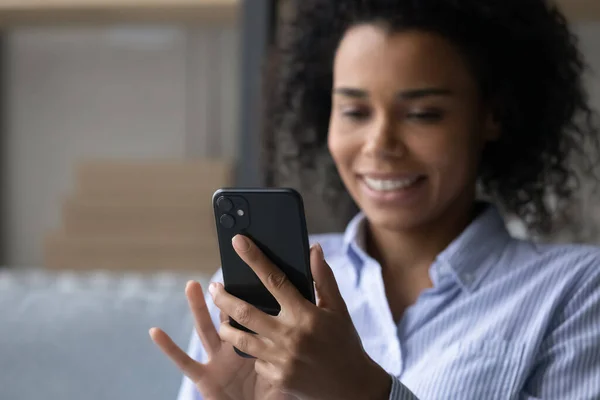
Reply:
x=226, y=376
x=309, y=351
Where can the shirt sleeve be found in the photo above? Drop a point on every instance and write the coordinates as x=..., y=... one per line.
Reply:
x=568, y=362
x=399, y=391
x=187, y=390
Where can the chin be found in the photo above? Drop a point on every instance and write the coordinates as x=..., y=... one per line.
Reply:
x=397, y=220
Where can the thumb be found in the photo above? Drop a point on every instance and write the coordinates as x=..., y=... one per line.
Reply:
x=328, y=292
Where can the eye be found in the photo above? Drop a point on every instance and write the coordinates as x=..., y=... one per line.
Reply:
x=431, y=116
x=355, y=114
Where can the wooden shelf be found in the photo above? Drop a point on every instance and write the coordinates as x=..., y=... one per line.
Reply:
x=36, y=12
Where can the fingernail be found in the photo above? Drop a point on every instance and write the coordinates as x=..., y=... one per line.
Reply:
x=313, y=249
x=240, y=243
x=320, y=250
x=212, y=288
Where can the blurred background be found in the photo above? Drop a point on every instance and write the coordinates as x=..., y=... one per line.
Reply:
x=118, y=120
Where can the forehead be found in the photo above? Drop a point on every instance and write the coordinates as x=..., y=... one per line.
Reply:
x=369, y=56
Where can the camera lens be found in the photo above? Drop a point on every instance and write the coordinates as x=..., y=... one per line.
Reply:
x=227, y=221
x=224, y=204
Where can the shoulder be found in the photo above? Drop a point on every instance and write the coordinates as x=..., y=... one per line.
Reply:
x=564, y=255
x=570, y=264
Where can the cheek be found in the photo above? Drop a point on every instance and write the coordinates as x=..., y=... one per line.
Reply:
x=446, y=156
x=454, y=155
x=340, y=149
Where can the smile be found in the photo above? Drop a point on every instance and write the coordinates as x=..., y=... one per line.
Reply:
x=388, y=185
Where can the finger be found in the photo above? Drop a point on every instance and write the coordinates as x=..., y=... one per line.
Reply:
x=268, y=372
x=317, y=295
x=272, y=277
x=244, y=313
x=190, y=367
x=327, y=287
x=207, y=332
x=223, y=317
x=246, y=342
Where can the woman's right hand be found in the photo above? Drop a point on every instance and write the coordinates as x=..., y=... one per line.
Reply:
x=226, y=376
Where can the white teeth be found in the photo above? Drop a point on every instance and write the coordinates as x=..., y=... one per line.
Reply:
x=387, y=185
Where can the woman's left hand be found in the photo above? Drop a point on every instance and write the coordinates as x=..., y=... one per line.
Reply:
x=309, y=351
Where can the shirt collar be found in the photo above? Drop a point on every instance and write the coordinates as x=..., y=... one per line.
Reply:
x=467, y=259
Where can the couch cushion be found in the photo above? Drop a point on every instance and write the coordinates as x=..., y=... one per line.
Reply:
x=74, y=336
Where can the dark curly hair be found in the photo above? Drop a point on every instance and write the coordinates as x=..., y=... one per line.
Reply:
x=528, y=66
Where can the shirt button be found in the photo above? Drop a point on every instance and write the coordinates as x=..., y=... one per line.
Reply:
x=468, y=278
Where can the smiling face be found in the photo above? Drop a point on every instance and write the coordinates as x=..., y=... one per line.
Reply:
x=407, y=126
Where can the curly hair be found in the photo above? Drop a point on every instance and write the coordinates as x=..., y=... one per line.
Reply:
x=528, y=67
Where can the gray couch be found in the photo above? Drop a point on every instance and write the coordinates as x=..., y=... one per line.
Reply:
x=68, y=336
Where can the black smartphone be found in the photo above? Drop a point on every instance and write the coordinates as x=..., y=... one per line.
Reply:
x=274, y=220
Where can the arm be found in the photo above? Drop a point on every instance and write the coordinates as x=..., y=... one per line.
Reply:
x=568, y=364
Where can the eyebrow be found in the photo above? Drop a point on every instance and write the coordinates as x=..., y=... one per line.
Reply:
x=410, y=94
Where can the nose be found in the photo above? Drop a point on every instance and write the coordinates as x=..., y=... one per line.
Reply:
x=383, y=140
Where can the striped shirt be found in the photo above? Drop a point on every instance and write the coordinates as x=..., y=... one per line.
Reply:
x=505, y=318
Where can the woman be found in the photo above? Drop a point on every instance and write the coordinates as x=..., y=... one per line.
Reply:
x=426, y=107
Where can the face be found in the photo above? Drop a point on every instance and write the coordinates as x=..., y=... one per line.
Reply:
x=407, y=128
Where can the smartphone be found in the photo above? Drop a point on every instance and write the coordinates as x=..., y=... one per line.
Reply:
x=274, y=220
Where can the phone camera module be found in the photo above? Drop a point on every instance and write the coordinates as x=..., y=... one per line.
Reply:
x=227, y=221
x=224, y=204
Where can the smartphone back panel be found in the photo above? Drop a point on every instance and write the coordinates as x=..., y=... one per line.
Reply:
x=274, y=220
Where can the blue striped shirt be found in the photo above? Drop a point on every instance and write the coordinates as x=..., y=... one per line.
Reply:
x=505, y=319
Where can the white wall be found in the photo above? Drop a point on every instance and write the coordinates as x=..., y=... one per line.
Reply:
x=77, y=93
x=589, y=35
x=589, y=231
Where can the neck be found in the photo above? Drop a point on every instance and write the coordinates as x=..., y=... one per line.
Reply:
x=402, y=252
